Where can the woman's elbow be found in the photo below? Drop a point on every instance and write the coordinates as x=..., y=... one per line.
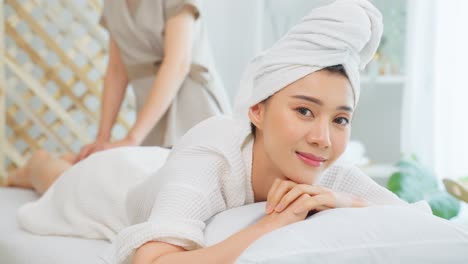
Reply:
x=116, y=72
x=180, y=67
x=154, y=252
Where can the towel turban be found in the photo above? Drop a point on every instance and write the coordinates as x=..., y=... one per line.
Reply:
x=345, y=32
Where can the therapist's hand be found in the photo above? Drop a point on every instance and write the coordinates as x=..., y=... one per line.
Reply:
x=125, y=142
x=104, y=145
x=89, y=149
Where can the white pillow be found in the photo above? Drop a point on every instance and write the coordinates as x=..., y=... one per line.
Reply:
x=379, y=234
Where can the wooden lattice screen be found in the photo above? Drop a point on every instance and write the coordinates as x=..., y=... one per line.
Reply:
x=54, y=57
x=2, y=95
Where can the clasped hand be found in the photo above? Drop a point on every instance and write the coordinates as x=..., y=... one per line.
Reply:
x=289, y=202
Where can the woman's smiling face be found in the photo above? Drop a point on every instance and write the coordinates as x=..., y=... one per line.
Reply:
x=305, y=127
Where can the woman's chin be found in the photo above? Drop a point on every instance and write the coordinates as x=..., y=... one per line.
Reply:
x=305, y=178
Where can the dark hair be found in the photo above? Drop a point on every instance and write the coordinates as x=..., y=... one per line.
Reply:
x=253, y=129
x=339, y=69
x=335, y=69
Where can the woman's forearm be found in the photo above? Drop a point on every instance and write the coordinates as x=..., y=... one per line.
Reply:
x=115, y=85
x=113, y=95
x=165, y=87
x=226, y=251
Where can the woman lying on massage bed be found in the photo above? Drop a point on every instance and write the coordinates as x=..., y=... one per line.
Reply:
x=293, y=121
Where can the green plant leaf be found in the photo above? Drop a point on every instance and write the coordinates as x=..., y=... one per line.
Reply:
x=444, y=205
x=413, y=182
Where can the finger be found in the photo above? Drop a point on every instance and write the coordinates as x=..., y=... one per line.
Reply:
x=319, y=190
x=290, y=197
x=298, y=205
x=83, y=152
x=272, y=190
x=313, y=202
x=295, y=192
x=102, y=146
x=82, y=156
x=344, y=200
x=92, y=151
x=273, y=187
x=322, y=208
x=88, y=152
x=283, y=188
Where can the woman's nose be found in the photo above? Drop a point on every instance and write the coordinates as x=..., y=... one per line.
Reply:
x=319, y=134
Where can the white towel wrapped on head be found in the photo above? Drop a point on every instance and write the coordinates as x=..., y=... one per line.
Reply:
x=345, y=32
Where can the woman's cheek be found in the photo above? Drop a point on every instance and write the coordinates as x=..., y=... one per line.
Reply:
x=287, y=124
x=339, y=142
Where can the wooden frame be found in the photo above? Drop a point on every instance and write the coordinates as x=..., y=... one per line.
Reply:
x=2, y=95
x=49, y=74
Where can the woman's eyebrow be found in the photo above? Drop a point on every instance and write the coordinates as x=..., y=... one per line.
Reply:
x=345, y=108
x=320, y=103
x=308, y=98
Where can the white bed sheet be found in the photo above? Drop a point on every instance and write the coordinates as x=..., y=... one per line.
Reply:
x=20, y=247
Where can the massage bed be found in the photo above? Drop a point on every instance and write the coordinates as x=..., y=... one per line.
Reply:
x=20, y=247
x=450, y=245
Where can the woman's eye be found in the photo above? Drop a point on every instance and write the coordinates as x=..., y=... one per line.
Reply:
x=342, y=121
x=304, y=111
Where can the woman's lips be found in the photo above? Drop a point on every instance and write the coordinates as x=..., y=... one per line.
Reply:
x=310, y=159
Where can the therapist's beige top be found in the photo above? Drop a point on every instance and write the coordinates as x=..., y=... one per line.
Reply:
x=138, y=30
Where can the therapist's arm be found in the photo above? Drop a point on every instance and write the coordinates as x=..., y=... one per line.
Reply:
x=178, y=38
x=115, y=86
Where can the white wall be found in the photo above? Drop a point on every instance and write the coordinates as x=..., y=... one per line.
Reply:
x=377, y=121
x=417, y=119
x=234, y=33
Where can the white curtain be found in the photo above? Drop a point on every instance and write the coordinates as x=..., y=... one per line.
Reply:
x=435, y=109
x=417, y=118
x=451, y=88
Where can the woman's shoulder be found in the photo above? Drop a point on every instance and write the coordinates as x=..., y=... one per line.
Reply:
x=216, y=131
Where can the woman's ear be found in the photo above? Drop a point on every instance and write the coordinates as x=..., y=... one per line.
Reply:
x=256, y=115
